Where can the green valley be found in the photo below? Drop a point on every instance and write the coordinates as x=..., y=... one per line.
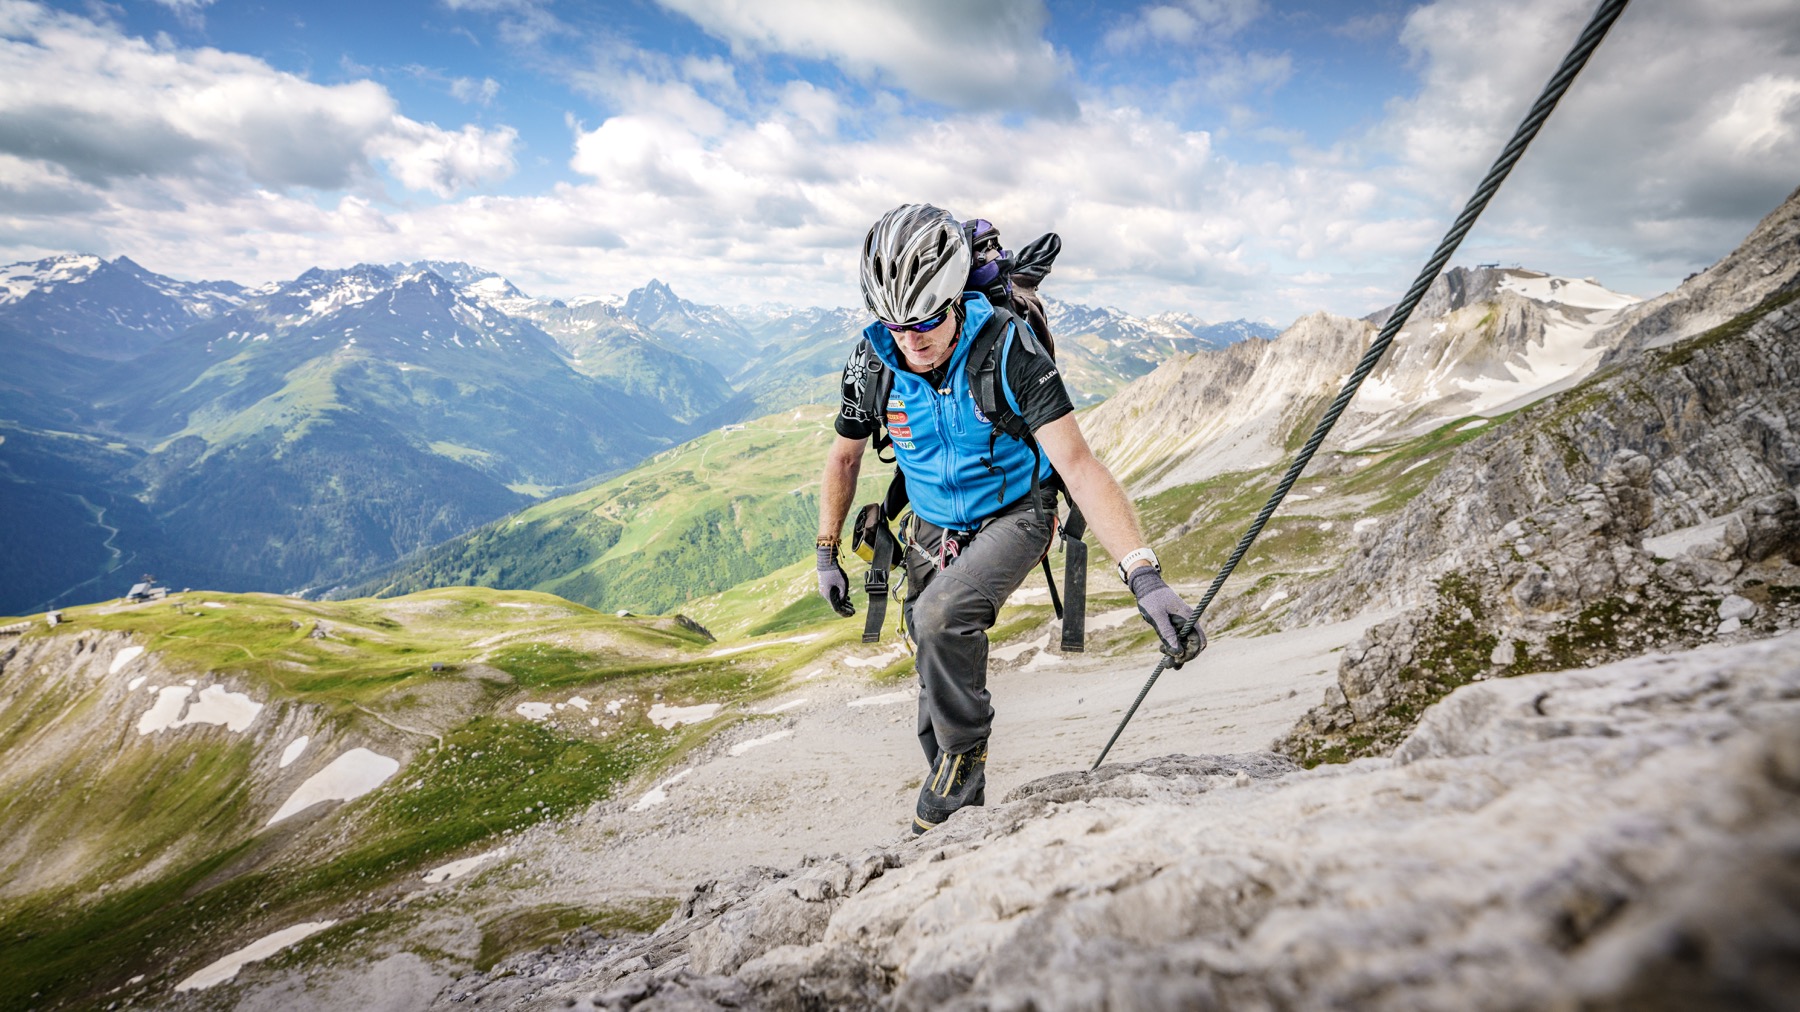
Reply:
x=731, y=506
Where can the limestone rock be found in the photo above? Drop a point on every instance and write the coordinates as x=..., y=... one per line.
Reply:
x=1653, y=509
x=1567, y=585
x=1621, y=837
x=1714, y=421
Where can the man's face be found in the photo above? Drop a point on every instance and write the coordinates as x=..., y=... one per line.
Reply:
x=926, y=350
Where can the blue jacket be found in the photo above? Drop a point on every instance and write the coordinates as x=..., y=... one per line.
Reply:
x=941, y=439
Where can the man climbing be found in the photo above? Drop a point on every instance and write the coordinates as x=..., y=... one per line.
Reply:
x=977, y=530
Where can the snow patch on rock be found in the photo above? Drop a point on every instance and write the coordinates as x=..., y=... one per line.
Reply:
x=667, y=717
x=294, y=750
x=124, y=657
x=223, y=969
x=658, y=794
x=348, y=777
x=457, y=869
x=217, y=706
x=165, y=711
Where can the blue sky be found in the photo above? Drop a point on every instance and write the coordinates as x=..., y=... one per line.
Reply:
x=1223, y=157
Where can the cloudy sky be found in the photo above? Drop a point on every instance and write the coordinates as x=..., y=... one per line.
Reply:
x=1230, y=158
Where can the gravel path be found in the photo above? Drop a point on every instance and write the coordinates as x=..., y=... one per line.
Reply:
x=846, y=775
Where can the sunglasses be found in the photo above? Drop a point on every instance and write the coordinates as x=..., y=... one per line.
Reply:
x=923, y=326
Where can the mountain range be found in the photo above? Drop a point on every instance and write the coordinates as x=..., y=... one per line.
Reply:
x=1207, y=401
x=296, y=434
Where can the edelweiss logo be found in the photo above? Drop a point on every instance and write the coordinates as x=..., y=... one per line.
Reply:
x=862, y=369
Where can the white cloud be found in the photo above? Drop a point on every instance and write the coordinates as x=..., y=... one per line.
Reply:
x=1205, y=22
x=987, y=55
x=1232, y=75
x=1681, y=132
x=1759, y=121
x=103, y=107
x=1677, y=138
x=425, y=157
x=467, y=89
x=189, y=12
x=519, y=22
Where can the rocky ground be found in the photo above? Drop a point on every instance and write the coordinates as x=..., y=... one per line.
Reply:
x=831, y=768
x=1624, y=836
x=1621, y=837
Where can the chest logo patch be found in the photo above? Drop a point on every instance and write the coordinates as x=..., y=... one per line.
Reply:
x=895, y=403
x=896, y=418
x=903, y=444
x=900, y=432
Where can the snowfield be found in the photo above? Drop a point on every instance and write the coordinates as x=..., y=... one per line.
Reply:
x=348, y=777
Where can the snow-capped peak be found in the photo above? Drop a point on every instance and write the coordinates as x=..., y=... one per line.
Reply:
x=21, y=279
x=1585, y=293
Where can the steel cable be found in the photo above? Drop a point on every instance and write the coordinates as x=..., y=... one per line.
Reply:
x=1584, y=47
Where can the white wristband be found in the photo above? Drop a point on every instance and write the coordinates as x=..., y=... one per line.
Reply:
x=1132, y=558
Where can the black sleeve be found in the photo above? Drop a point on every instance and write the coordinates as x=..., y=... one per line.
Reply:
x=1032, y=376
x=856, y=414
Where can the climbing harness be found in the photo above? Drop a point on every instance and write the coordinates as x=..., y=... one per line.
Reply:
x=871, y=539
x=1589, y=40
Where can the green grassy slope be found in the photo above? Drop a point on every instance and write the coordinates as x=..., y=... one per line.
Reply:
x=127, y=853
x=722, y=509
x=1195, y=527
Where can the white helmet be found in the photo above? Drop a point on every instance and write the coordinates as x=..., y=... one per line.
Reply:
x=915, y=261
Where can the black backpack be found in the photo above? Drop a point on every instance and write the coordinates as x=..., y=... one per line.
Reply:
x=1010, y=284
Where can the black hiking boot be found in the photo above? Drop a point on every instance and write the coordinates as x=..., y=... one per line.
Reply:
x=957, y=781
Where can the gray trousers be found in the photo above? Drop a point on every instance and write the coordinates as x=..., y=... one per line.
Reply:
x=949, y=612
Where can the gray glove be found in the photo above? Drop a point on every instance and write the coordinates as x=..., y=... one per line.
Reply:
x=1166, y=612
x=834, y=586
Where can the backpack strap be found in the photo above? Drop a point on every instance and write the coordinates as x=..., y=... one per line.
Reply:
x=1074, y=636
x=871, y=533
x=987, y=372
x=878, y=383
x=987, y=383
